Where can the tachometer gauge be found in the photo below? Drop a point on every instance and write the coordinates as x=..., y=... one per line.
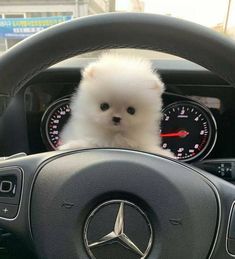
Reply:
x=53, y=121
x=188, y=130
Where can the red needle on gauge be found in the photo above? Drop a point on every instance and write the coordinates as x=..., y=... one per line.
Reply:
x=181, y=133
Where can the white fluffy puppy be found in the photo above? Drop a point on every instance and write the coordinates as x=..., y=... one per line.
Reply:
x=118, y=104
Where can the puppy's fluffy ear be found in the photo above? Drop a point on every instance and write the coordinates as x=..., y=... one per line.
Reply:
x=89, y=71
x=158, y=84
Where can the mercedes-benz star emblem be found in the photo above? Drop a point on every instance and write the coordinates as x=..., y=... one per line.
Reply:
x=118, y=229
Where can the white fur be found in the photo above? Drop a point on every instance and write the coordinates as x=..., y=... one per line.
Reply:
x=121, y=82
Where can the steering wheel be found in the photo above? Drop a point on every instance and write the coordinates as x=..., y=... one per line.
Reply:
x=114, y=203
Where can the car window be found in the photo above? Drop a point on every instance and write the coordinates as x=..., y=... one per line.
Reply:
x=20, y=19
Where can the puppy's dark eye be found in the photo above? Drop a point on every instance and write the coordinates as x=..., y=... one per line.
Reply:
x=131, y=110
x=104, y=106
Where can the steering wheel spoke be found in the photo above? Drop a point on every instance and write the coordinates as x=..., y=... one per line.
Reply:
x=16, y=179
x=224, y=244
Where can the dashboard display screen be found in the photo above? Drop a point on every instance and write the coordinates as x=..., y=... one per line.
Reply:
x=188, y=129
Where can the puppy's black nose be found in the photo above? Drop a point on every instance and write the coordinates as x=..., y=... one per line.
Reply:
x=116, y=119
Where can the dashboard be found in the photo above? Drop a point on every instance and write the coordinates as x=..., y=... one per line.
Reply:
x=197, y=115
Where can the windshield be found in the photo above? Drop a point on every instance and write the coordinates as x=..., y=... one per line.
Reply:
x=22, y=18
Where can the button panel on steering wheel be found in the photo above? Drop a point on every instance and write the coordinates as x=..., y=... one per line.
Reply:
x=10, y=190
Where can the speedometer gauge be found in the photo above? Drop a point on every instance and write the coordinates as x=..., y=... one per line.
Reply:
x=188, y=130
x=53, y=121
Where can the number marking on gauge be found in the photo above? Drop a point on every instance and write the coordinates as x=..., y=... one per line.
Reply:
x=53, y=121
x=188, y=130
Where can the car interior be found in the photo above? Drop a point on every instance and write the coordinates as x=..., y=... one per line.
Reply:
x=118, y=203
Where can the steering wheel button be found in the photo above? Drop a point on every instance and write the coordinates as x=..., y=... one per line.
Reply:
x=231, y=246
x=6, y=186
x=8, y=210
x=231, y=232
x=10, y=185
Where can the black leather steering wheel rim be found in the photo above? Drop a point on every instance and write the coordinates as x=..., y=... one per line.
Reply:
x=146, y=31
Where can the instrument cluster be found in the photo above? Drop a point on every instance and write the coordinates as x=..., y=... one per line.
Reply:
x=188, y=128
